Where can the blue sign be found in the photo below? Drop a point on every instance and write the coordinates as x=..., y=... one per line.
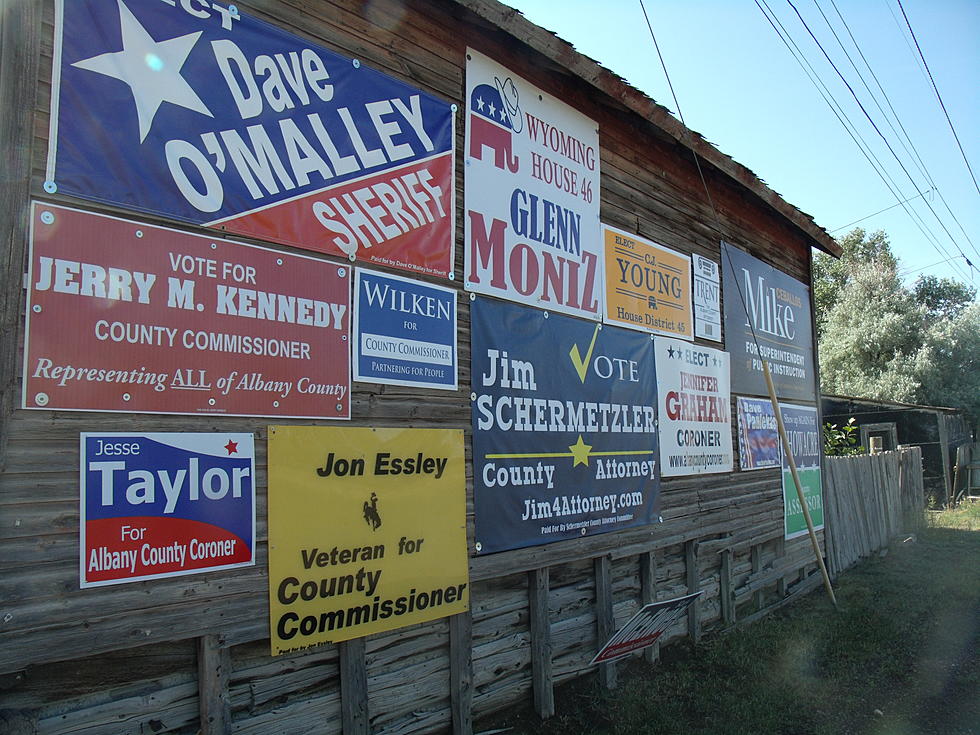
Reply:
x=163, y=505
x=404, y=332
x=767, y=317
x=758, y=437
x=198, y=112
x=564, y=427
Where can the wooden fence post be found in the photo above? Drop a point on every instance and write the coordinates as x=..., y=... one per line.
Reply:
x=542, y=684
x=648, y=594
x=213, y=669
x=725, y=589
x=461, y=671
x=693, y=585
x=756, y=556
x=353, y=687
x=605, y=621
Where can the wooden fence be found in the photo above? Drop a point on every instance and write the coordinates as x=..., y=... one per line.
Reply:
x=870, y=499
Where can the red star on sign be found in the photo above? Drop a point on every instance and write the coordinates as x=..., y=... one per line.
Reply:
x=232, y=447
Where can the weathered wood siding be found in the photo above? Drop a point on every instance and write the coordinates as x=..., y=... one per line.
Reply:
x=179, y=654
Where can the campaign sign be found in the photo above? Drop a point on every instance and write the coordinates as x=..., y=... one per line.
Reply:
x=367, y=531
x=648, y=287
x=805, y=440
x=124, y=316
x=707, y=298
x=645, y=628
x=404, y=332
x=564, y=427
x=163, y=505
x=767, y=317
x=695, y=409
x=198, y=112
x=758, y=436
x=532, y=194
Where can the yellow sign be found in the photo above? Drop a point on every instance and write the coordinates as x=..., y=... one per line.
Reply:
x=648, y=287
x=367, y=531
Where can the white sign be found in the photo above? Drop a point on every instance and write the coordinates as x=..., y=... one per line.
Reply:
x=532, y=194
x=707, y=300
x=695, y=408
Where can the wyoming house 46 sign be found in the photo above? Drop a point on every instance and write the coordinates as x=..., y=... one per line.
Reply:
x=197, y=112
x=532, y=194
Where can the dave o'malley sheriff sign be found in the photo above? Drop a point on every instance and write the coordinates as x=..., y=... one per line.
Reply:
x=201, y=112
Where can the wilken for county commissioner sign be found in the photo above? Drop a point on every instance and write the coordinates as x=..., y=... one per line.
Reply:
x=199, y=111
x=367, y=531
x=124, y=316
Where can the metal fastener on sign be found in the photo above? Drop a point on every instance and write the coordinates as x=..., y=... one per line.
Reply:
x=50, y=187
x=341, y=272
x=479, y=546
x=47, y=217
x=36, y=308
x=211, y=401
x=340, y=406
x=126, y=396
x=41, y=399
x=356, y=63
x=139, y=233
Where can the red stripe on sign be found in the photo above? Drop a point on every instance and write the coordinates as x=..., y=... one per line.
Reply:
x=401, y=218
x=125, y=548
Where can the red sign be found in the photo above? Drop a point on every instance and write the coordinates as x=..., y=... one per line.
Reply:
x=124, y=316
x=644, y=628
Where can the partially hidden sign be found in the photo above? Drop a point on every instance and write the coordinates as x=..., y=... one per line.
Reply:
x=367, y=531
x=130, y=317
x=695, y=409
x=648, y=287
x=767, y=316
x=164, y=505
x=198, y=112
x=805, y=440
x=532, y=194
x=758, y=435
x=645, y=628
x=564, y=427
x=404, y=332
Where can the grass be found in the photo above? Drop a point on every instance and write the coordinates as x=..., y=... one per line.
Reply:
x=900, y=656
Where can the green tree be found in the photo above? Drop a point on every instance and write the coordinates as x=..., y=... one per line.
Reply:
x=831, y=275
x=880, y=339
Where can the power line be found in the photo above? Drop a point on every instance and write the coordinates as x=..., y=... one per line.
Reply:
x=873, y=124
x=783, y=34
x=922, y=165
x=938, y=96
x=869, y=216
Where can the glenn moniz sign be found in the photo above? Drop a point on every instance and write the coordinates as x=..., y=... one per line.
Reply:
x=532, y=194
x=124, y=316
x=192, y=110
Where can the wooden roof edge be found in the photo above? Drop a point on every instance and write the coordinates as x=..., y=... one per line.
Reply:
x=890, y=402
x=511, y=21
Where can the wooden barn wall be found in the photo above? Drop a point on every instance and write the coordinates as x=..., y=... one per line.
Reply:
x=126, y=658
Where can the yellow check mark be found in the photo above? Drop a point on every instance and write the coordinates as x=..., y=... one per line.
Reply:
x=582, y=366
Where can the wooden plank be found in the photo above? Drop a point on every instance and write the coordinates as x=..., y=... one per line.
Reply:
x=693, y=585
x=780, y=553
x=461, y=672
x=756, y=556
x=605, y=621
x=542, y=686
x=213, y=670
x=353, y=687
x=726, y=591
x=648, y=594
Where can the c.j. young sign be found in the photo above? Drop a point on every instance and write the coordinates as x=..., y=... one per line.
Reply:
x=767, y=316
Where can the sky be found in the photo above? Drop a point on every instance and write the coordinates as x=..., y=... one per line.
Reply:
x=740, y=87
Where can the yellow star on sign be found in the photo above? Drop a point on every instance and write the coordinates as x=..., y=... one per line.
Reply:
x=580, y=452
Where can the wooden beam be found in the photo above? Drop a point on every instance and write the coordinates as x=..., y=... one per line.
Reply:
x=726, y=591
x=353, y=687
x=542, y=683
x=648, y=594
x=461, y=672
x=693, y=585
x=213, y=670
x=756, y=556
x=605, y=622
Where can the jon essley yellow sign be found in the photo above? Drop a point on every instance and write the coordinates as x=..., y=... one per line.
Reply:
x=367, y=531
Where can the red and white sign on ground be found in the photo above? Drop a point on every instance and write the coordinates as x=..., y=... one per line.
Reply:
x=644, y=628
x=124, y=316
